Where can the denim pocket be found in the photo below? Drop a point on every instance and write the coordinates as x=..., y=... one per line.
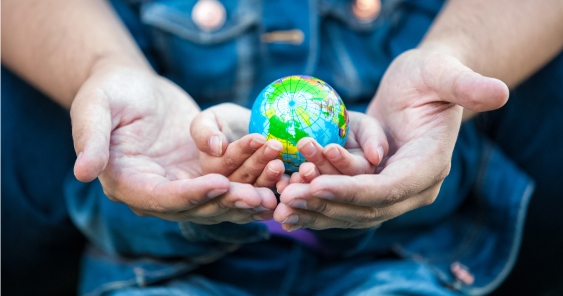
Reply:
x=211, y=65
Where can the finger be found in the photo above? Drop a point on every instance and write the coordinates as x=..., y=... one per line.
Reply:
x=348, y=163
x=282, y=183
x=234, y=156
x=156, y=195
x=236, y=216
x=462, y=86
x=207, y=135
x=91, y=128
x=313, y=152
x=398, y=181
x=369, y=136
x=293, y=219
x=255, y=164
x=237, y=206
x=271, y=174
x=213, y=128
x=320, y=215
x=296, y=178
x=298, y=196
x=307, y=172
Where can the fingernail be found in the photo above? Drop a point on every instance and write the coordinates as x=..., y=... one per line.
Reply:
x=241, y=205
x=299, y=204
x=257, y=217
x=333, y=153
x=260, y=209
x=324, y=194
x=216, y=192
x=295, y=228
x=256, y=143
x=380, y=153
x=309, y=173
x=308, y=149
x=291, y=219
x=216, y=145
x=78, y=156
x=273, y=172
x=273, y=149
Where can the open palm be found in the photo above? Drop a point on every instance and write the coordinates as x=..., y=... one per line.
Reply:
x=132, y=128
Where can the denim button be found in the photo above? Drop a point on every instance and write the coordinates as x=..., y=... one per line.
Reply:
x=209, y=15
x=366, y=10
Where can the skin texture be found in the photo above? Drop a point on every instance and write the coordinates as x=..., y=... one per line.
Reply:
x=127, y=139
x=365, y=147
x=419, y=105
x=128, y=123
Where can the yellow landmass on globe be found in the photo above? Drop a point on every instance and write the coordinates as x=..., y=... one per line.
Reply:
x=270, y=112
x=288, y=147
x=304, y=115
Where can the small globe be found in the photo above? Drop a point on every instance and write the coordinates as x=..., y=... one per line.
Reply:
x=295, y=107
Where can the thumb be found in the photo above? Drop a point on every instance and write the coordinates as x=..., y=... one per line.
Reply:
x=91, y=128
x=473, y=91
x=207, y=135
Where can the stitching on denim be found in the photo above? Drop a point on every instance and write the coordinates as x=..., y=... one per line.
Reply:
x=111, y=286
x=515, y=248
x=148, y=277
x=162, y=17
x=481, y=218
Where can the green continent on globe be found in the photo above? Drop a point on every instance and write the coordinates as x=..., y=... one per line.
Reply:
x=295, y=107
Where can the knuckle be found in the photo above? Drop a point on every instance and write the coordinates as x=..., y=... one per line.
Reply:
x=395, y=194
x=369, y=215
x=245, y=177
x=445, y=172
x=110, y=196
x=193, y=202
x=430, y=196
x=153, y=206
x=319, y=206
x=230, y=162
x=139, y=213
x=313, y=220
x=349, y=224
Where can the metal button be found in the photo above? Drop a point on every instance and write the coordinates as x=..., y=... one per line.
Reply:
x=209, y=15
x=366, y=10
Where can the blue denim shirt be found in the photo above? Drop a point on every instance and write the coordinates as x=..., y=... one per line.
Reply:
x=476, y=220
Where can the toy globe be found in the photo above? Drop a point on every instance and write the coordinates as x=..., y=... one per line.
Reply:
x=295, y=107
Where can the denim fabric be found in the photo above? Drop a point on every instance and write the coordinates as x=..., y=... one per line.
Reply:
x=476, y=220
x=39, y=242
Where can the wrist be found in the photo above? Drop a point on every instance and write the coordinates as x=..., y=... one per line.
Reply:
x=442, y=47
x=112, y=62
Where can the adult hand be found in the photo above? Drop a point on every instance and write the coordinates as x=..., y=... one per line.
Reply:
x=419, y=104
x=131, y=129
x=221, y=134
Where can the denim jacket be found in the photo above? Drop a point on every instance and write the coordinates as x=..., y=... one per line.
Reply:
x=476, y=221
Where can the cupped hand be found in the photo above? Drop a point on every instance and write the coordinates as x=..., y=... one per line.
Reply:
x=221, y=135
x=131, y=130
x=419, y=103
